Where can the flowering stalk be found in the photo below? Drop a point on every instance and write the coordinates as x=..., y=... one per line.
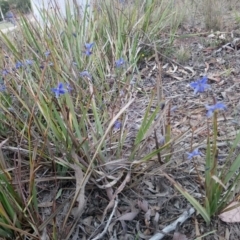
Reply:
x=215, y=132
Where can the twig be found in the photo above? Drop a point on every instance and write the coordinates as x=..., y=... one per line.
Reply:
x=100, y=235
x=157, y=147
x=173, y=225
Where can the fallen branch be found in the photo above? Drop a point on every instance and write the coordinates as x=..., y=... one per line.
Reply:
x=100, y=235
x=173, y=225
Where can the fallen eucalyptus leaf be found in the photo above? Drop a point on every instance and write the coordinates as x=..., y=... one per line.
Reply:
x=233, y=215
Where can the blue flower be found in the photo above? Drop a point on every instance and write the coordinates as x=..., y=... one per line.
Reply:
x=88, y=53
x=117, y=125
x=200, y=85
x=29, y=62
x=217, y=106
x=88, y=48
x=2, y=87
x=60, y=90
x=85, y=73
x=120, y=62
x=47, y=53
x=5, y=72
x=18, y=64
x=69, y=88
x=194, y=154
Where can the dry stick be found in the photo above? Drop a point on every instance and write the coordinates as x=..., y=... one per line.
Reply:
x=157, y=147
x=173, y=225
x=100, y=235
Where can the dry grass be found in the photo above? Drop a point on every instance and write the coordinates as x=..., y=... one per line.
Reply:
x=208, y=14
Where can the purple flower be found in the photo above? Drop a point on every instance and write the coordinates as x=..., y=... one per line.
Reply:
x=85, y=73
x=69, y=88
x=200, y=85
x=194, y=154
x=120, y=62
x=18, y=64
x=88, y=53
x=47, y=53
x=5, y=72
x=60, y=89
x=217, y=106
x=29, y=62
x=117, y=125
x=88, y=48
x=2, y=87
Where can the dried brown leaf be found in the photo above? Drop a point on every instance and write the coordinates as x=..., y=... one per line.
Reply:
x=79, y=197
x=233, y=215
x=227, y=234
x=197, y=228
x=147, y=217
x=128, y=216
x=156, y=218
x=143, y=205
x=179, y=236
x=87, y=221
x=207, y=67
x=190, y=69
x=147, y=232
x=217, y=180
x=126, y=180
x=79, y=187
x=120, y=188
x=140, y=234
x=109, y=193
x=45, y=204
x=109, y=184
x=215, y=78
